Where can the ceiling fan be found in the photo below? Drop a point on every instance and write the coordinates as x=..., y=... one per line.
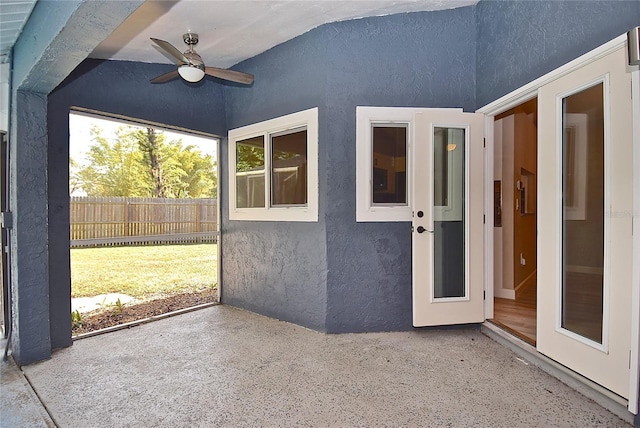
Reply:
x=190, y=65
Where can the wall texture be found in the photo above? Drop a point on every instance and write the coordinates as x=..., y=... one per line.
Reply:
x=28, y=237
x=365, y=283
x=278, y=269
x=519, y=41
x=412, y=60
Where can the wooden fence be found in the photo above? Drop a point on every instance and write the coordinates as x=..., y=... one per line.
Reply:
x=98, y=221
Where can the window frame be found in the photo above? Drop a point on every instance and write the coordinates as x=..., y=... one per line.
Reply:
x=366, y=119
x=307, y=119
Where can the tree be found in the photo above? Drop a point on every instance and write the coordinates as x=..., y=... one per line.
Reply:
x=151, y=145
x=75, y=183
x=114, y=169
x=249, y=157
x=199, y=179
x=142, y=163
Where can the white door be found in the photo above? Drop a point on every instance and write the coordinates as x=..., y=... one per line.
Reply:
x=585, y=210
x=448, y=248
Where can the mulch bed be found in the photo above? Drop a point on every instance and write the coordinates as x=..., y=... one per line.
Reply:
x=112, y=316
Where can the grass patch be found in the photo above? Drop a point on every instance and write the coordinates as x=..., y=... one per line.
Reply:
x=143, y=272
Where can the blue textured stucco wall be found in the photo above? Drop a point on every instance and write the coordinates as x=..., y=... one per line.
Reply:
x=278, y=269
x=338, y=275
x=123, y=87
x=47, y=50
x=519, y=41
x=29, y=257
x=413, y=60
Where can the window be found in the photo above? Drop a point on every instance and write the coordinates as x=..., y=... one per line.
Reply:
x=382, y=163
x=274, y=169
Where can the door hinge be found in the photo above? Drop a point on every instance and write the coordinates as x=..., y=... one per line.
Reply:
x=484, y=294
x=484, y=219
x=484, y=142
x=6, y=219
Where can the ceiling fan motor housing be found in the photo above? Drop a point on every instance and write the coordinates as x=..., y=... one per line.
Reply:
x=190, y=39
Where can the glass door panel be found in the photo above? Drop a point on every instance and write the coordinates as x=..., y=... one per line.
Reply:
x=448, y=209
x=583, y=195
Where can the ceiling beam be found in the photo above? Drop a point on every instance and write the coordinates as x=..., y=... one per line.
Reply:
x=59, y=35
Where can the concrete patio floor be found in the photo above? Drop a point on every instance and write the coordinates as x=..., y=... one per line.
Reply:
x=222, y=366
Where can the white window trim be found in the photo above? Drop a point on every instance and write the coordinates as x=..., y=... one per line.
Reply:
x=366, y=117
x=308, y=213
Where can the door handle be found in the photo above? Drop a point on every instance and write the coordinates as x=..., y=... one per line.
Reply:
x=422, y=230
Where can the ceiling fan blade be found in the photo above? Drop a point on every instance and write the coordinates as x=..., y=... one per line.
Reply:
x=233, y=76
x=178, y=56
x=165, y=77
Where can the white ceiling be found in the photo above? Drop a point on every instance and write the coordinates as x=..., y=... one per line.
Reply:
x=231, y=31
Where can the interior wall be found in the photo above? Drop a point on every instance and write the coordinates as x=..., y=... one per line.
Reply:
x=519, y=41
x=524, y=219
x=505, y=128
x=413, y=60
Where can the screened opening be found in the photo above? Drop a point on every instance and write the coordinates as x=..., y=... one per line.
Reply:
x=143, y=217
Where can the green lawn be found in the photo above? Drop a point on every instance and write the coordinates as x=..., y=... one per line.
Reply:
x=142, y=271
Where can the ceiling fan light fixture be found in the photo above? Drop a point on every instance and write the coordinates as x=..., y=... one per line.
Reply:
x=190, y=73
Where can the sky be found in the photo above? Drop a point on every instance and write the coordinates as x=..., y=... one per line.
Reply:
x=80, y=137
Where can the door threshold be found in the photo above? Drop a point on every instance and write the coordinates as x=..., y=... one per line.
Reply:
x=513, y=332
x=605, y=398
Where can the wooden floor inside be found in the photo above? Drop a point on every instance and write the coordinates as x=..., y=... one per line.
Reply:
x=518, y=316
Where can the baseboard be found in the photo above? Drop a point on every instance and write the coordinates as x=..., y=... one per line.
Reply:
x=504, y=293
x=528, y=282
x=584, y=269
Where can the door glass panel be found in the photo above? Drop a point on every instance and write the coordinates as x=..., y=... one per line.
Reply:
x=389, y=165
x=448, y=212
x=583, y=212
x=250, y=173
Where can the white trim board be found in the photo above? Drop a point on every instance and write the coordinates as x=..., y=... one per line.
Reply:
x=505, y=293
x=530, y=90
x=634, y=362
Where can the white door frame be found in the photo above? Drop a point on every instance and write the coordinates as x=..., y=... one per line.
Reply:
x=526, y=93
